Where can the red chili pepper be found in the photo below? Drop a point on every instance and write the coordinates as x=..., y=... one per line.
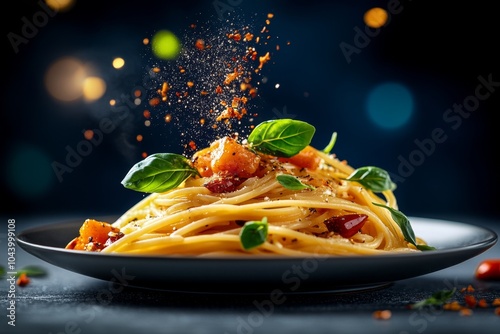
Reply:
x=488, y=270
x=346, y=225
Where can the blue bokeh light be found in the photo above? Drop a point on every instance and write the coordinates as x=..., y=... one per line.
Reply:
x=29, y=172
x=390, y=105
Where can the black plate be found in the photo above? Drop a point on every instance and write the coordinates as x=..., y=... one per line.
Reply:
x=456, y=242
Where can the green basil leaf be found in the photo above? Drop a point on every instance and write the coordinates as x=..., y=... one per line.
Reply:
x=253, y=234
x=425, y=247
x=159, y=172
x=372, y=178
x=404, y=223
x=282, y=137
x=32, y=271
x=291, y=182
x=2, y=271
x=331, y=144
x=436, y=299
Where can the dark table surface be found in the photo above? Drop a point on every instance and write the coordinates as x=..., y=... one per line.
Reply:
x=68, y=302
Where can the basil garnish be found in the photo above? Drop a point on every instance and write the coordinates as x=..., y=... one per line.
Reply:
x=438, y=298
x=32, y=271
x=291, y=182
x=253, y=234
x=330, y=145
x=159, y=172
x=404, y=223
x=372, y=178
x=282, y=137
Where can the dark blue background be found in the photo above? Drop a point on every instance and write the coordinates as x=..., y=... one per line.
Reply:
x=436, y=51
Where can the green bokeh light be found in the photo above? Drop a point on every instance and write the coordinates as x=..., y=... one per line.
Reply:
x=165, y=45
x=29, y=173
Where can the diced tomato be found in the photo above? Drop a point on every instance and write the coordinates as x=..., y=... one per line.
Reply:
x=346, y=225
x=223, y=183
x=307, y=158
x=93, y=235
x=227, y=156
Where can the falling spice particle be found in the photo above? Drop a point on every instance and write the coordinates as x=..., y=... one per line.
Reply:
x=23, y=280
x=264, y=59
x=164, y=90
x=382, y=314
x=465, y=312
x=214, y=78
x=154, y=101
x=470, y=300
x=200, y=44
x=482, y=303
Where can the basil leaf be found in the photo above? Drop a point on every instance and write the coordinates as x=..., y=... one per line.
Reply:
x=372, y=178
x=436, y=299
x=330, y=145
x=291, y=182
x=404, y=223
x=32, y=271
x=425, y=247
x=253, y=234
x=282, y=137
x=2, y=271
x=159, y=172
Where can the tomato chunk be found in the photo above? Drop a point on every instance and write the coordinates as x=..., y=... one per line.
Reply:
x=93, y=235
x=226, y=155
x=223, y=183
x=307, y=158
x=346, y=225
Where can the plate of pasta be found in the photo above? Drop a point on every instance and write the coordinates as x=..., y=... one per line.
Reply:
x=257, y=214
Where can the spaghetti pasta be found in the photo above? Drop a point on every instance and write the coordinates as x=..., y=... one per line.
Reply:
x=272, y=194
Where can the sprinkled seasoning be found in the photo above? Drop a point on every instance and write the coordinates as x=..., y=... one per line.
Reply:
x=207, y=89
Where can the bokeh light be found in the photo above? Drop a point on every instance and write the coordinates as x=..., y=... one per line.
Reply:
x=375, y=17
x=390, y=105
x=64, y=79
x=165, y=45
x=93, y=88
x=60, y=5
x=118, y=63
x=29, y=173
